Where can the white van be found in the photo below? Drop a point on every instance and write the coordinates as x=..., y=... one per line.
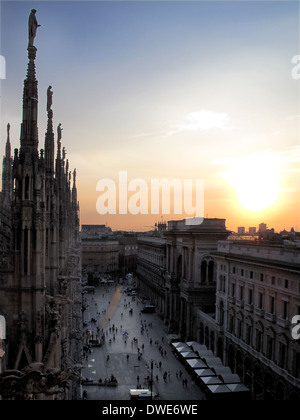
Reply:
x=142, y=394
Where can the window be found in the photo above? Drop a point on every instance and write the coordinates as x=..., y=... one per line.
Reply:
x=241, y=292
x=250, y=296
x=232, y=289
x=203, y=271
x=282, y=351
x=248, y=334
x=239, y=328
x=273, y=280
x=285, y=309
x=242, y=272
x=261, y=277
x=286, y=284
x=270, y=347
x=272, y=305
x=251, y=274
x=260, y=300
x=258, y=340
x=233, y=270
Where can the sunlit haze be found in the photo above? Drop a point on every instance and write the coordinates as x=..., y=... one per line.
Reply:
x=167, y=89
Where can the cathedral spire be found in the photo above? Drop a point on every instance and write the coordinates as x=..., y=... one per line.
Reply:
x=29, y=129
x=49, y=138
x=7, y=170
x=8, y=145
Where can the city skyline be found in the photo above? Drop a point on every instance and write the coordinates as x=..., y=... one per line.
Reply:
x=200, y=90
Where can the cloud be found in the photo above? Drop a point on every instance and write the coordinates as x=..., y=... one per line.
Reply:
x=293, y=117
x=201, y=121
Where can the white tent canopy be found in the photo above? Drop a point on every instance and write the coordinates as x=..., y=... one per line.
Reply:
x=237, y=388
x=188, y=355
x=192, y=343
x=198, y=347
x=212, y=361
x=178, y=344
x=232, y=378
x=218, y=388
x=183, y=349
x=196, y=363
x=204, y=353
x=211, y=380
x=204, y=372
x=222, y=370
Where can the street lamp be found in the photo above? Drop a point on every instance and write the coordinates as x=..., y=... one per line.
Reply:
x=151, y=380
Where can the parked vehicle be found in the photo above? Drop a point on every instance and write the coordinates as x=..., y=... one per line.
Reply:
x=142, y=394
x=88, y=289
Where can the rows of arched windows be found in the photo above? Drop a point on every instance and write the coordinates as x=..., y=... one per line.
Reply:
x=261, y=380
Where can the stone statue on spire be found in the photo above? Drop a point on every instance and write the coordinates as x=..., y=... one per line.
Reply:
x=32, y=27
x=8, y=130
x=59, y=134
x=49, y=98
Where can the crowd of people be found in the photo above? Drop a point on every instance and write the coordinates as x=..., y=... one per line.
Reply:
x=108, y=331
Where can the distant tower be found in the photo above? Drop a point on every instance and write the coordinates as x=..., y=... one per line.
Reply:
x=262, y=227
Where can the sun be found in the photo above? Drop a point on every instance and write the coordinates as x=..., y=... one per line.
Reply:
x=256, y=182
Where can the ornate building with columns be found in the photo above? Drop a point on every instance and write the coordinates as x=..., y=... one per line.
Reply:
x=177, y=271
x=40, y=294
x=258, y=294
x=190, y=272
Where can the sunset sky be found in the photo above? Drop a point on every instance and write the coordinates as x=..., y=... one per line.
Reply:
x=167, y=89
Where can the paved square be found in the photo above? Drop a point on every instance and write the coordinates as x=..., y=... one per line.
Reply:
x=131, y=342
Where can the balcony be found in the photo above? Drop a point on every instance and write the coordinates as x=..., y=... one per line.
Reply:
x=285, y=323
x=259, y=312
x=249, y=307
x=270, y=317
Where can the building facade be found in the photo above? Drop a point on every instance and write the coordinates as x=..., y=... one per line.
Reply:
x=191, y=272
x=258, y=293
x=40, y=260
x=178, y=273
x=100, y=256
x=151, y=269
x=128, y=251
